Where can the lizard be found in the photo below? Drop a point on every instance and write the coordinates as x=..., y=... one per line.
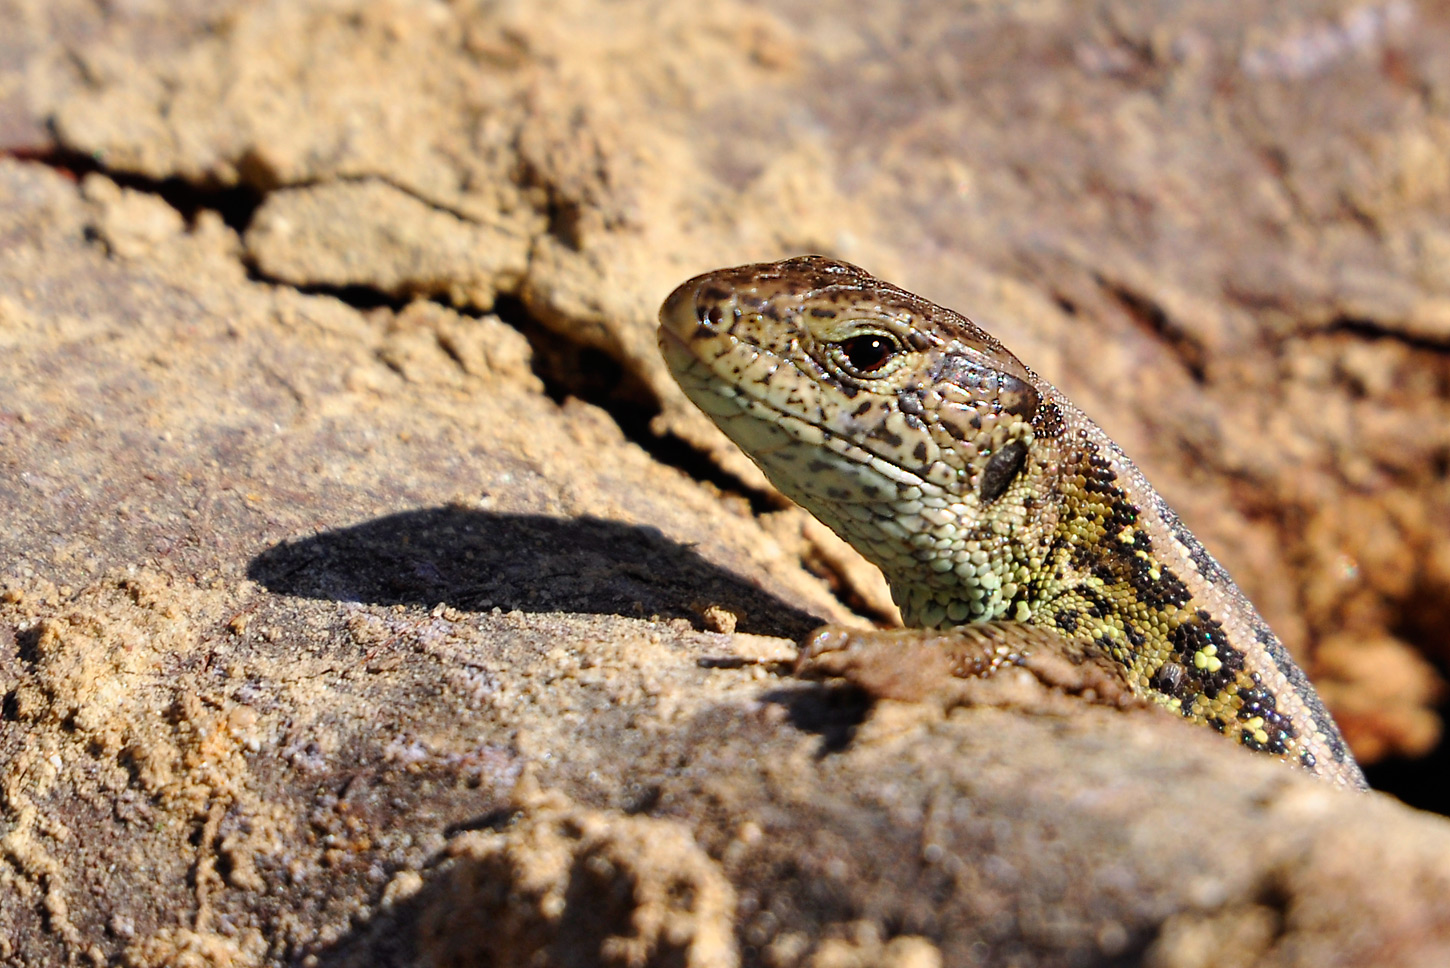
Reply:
x=1004, y=519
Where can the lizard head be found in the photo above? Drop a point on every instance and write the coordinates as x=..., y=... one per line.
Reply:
x=899, y=423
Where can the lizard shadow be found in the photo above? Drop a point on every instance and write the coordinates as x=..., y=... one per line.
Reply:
x=479, y=560
x=832, y=711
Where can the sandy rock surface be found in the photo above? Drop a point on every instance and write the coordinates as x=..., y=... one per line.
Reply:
x=370, y=595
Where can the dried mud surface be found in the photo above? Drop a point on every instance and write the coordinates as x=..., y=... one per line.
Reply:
x=369, y=594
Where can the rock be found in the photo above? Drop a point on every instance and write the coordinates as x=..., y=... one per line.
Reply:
x=369, y=594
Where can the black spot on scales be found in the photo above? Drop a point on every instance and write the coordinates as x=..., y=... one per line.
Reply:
x=1110, y=648
x=1099, y=476
x=952, y=424
x=1164, y=590
x=887, y=437
x=1170, y=679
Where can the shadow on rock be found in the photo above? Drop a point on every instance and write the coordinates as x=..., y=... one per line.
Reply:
x=831, y=711
x=477, y=560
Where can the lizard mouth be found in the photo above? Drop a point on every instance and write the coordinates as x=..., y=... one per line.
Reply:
x=674, y=348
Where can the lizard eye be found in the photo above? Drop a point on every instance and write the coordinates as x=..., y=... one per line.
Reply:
x=867, y=354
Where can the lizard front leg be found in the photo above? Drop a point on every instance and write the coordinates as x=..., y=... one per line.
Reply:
x=939, y=665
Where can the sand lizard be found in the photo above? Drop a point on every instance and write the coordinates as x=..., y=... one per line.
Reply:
x=999, y=513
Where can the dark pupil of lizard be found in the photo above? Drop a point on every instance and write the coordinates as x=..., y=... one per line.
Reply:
x=868, y=352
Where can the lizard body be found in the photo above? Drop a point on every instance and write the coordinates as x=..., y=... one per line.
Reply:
x=983, y=494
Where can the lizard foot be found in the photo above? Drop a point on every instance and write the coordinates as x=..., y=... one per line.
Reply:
x=944, y=665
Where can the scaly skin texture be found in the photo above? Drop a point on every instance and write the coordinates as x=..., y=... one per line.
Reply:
x=982, y=493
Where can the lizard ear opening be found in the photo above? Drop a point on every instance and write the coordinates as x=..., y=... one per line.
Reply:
x=1001, y=470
